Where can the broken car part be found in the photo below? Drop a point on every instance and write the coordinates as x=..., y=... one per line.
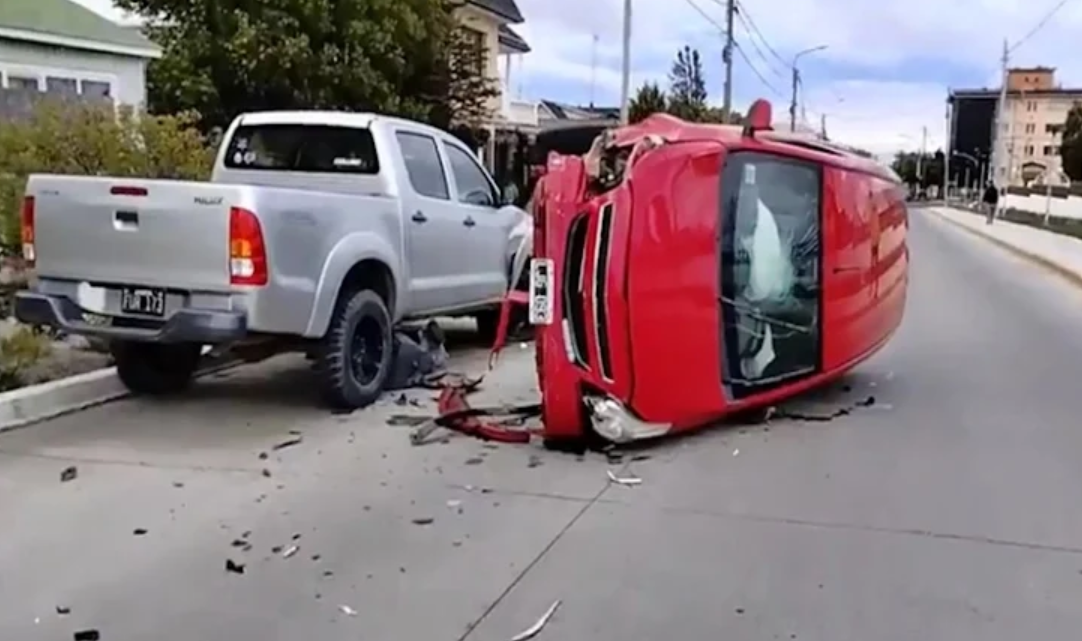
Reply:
x=624, y=480
x=536, y=628
x=455, y=414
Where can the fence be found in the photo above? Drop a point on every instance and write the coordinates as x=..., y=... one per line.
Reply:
x=1059, y=202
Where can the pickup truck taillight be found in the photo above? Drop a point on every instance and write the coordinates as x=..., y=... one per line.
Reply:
x=28, y=229
x=247, y=251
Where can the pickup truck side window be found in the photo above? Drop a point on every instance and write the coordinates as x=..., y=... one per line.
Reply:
x=473, y=185
x=304, y=148
x=423, y=165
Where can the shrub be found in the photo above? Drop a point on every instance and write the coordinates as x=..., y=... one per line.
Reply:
x=20, y=349
x=95, y=140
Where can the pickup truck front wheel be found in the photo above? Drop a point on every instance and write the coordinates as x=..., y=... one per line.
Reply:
x=155, y=369
x=353, y=360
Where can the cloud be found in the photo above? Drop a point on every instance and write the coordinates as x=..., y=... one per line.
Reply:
x=881, y=81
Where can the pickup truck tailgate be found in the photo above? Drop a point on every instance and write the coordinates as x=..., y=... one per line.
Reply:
x=162, y=233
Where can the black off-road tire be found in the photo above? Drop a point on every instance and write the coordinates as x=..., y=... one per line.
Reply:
x=359, y=316
x=156, y=369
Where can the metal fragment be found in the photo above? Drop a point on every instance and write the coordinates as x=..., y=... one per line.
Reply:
x=536, y=628
x=624, y=480
x=290, y=551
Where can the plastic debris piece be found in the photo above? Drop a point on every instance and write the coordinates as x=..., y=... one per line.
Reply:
x=234, y=567
x=424, y=520
x=139, y=531
x=624, y=480
x=69, y=474
x=536, y=628
x=290, y=551
x=288, y=443
x=348, y=611
x=63, y=610
x=88, y=635
x=736, y=452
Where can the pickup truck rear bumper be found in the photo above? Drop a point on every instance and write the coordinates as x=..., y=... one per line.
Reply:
x=184, y=326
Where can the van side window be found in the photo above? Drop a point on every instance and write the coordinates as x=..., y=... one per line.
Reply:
x=473, y=185
x=304, y=148
x=423, y=165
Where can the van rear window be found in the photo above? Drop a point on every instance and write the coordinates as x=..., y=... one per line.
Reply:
x=305, y=148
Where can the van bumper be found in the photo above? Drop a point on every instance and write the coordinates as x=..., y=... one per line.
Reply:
x=208, y=327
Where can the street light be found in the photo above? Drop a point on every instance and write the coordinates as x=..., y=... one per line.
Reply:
x=796, y=83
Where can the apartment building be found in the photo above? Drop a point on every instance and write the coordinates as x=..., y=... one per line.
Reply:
x=1027, y=144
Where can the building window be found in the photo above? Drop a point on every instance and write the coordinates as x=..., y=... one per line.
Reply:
x=1031, y=128
x=1029, y=150
x=23, y=83
x=1031, y=105
x=1049, y=150
x=1052, y=129
x=475, y=41
x=61, y=86
x=97, y=89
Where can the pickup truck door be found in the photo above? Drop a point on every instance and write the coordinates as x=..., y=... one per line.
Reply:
x=488, y=225
x=434, y=228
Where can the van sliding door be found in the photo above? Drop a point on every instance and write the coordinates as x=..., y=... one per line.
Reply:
x=770, y=263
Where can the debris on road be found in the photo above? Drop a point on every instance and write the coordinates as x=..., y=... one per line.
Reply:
x=88, y=635
x=297, y=440
x=455, y=414
x=406, y=420
x=536, y=628
x=63, y=611
x=736, y=452
x=624, y=480
x=266, y=473
x=290, y=551
x=139, y=531
x=348, y=611
x=418, y=355
x=234, y=567
x=424, y=520
x=476, y=460
x=69, y=474
x=534, y=461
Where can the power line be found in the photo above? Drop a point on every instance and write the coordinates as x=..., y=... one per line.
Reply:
x=750, y=22
x=758, y=74
x=705, y=15
x=758, y=50
x=1040, y=25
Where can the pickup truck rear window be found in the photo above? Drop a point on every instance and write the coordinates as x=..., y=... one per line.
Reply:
x=305, y=148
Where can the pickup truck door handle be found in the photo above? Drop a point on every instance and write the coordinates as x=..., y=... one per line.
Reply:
x=469, y=222
x=420, y=217
x=844, y=269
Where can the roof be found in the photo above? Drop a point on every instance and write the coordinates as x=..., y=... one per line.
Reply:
x=504, y=8
x=563, y=111
x=513, y=41
x=956, y=94
x=64, y=23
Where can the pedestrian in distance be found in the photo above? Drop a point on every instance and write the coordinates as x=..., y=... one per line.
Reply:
x=989, y=202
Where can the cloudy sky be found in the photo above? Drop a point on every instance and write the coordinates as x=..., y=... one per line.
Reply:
x=882, y=78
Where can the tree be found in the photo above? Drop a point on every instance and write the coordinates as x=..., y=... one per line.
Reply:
x=221, y=58
x=648, y=100
x=931, y=168
x=1071, y=148
x=687, y=87
x=469, y=91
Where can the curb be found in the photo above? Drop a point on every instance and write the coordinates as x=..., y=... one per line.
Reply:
x=35, y=403
x=1063, y=272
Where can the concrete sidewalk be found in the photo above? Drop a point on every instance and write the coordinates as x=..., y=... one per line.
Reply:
x=1062, y=254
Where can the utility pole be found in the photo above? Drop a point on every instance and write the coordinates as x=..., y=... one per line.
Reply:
x=823, y=125
x=727, y=57
x=593, y=72
x=998, y=121
x=625, y=84
x=792, y=102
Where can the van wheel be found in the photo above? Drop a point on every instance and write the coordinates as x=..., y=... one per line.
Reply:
x=155, y=369
x=353, y=360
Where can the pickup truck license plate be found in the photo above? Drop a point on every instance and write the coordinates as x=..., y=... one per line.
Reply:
x=541, y=291
x=146, y=301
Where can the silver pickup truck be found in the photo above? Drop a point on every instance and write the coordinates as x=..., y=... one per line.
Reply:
x=318, y=232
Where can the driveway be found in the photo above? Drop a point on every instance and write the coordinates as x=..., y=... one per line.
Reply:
x=942, y=502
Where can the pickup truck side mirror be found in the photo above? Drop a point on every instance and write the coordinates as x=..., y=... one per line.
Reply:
x=480, y=197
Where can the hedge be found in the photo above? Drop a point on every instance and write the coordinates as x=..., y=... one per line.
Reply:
x=94, y=140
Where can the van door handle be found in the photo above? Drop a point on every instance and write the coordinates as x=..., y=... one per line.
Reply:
x=842, y=270
x=420, y=217
x=469, y=222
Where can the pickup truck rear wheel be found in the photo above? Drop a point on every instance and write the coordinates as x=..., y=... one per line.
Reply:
x=353, y=360
x=155, y=369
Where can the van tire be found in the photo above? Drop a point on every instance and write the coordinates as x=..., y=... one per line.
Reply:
x=156, y=369
x=488, y=322
x=353, y=360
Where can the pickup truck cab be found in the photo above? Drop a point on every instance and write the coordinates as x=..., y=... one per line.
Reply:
x=686, y=272
x=317, y=231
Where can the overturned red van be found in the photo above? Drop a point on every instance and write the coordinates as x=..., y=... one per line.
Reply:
x=684, y=272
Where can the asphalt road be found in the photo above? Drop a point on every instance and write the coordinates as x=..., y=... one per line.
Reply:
x=948, y=509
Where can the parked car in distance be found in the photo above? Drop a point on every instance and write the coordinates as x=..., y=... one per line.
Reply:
x=318, y=231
